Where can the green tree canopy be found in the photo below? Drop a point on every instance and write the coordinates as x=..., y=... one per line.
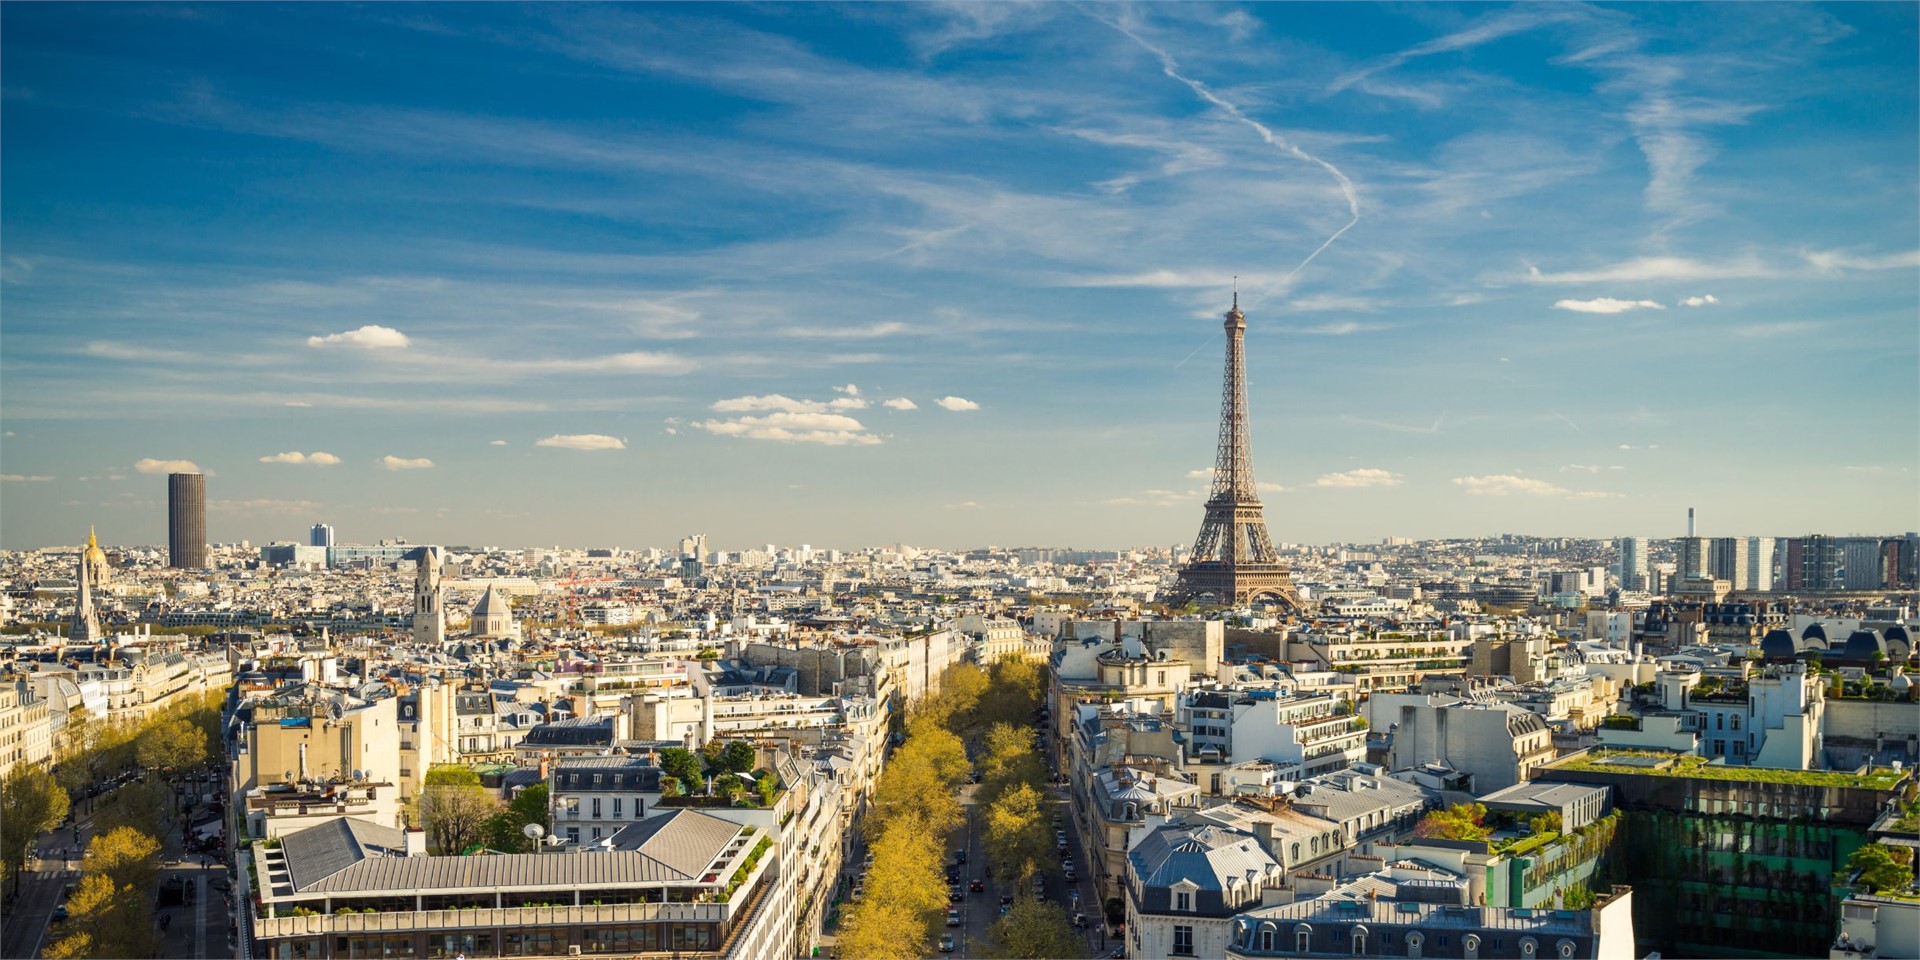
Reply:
x=453, y=775
x=1032, y=930
x=1879, y=871
x=31, y=803
x=737, y=757
x=1462, y=821
x=682, y=765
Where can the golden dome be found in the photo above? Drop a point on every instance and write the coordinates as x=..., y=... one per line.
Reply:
x=93, y=547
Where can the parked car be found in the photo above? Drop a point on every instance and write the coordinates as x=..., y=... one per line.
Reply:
x=946, y=944
x=1006, y=899
x=960, y=858
x=1072, y=875
x=953, y=918
x=956, y=893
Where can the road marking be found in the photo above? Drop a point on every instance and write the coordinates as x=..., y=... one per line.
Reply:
x=200, y=917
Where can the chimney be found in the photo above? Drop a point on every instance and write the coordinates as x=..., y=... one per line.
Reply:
x=416, y=843
x=546, y=767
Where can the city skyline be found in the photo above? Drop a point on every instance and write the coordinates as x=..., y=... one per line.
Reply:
x=951, y=275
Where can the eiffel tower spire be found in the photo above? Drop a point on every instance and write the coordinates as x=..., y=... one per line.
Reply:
x=1233, y=559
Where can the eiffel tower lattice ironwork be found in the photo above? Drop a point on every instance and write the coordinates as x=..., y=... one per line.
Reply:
x=1233, y=559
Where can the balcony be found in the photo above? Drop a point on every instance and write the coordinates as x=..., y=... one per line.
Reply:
x=488, y=918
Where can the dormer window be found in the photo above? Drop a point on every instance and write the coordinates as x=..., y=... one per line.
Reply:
x=1183, y=902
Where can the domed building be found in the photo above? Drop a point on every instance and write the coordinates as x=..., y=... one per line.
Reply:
x=95, y=559
x=493, y=616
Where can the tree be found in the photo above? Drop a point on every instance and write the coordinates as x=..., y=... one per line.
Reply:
x=455, y=817
x=738, y=757
x=452, y=775
x=171, y=745
x=126, y=857
x=107, y=920
x=877, y=930
x=531, y=806
x=144, y=805
x=1017, y=838
x=31, y=803
x=1034, y=929
x=1462, y=821
x=682, y=765
x=1878, y=870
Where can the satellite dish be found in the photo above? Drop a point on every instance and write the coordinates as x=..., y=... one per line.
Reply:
x=336, y=709
x=534, y=831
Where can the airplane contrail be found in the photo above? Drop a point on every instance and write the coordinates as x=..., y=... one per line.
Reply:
x=1171, y=67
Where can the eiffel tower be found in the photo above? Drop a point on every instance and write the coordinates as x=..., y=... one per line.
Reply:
x=1233, y=560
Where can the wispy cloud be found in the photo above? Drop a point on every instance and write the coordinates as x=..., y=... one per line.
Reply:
x=956, y=404
x=392, y=462
x=1606, y=305
x=319, y=458
x=22, y=478
x=1362, y=477
x=1703, y=301
x=1506, y=484
x=582, y=441
x=369, y=337
x=1399, y=427
x=268, y=506
x=149, y=465
x=1491, y=27
x=1784, y=328
x=827, y=429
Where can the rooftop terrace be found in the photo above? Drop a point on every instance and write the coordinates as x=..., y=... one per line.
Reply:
x=1661, y=764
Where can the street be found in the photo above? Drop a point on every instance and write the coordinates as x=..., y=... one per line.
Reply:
x=979, y=910
x=196, y=928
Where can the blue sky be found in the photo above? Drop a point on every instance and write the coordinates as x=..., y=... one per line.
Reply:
x=951, y=274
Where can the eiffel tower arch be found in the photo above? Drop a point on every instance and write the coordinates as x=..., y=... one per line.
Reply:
x=1233, y=560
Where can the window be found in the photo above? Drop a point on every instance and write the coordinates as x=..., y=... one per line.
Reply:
x=596, y=808
x=1183, y=902
x=1359, y=941
x=1266, y=938
x=1182, y=941
x=616, y=807
x=1302, y=938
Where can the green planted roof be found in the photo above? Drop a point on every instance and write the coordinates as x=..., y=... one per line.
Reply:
x=1687, y=765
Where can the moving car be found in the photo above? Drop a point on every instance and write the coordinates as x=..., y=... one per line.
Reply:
x=956, y=893
x=946, y=944
x=977, y=885
x=953, y=918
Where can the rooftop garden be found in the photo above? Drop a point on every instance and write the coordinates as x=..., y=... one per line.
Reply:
x=1662, y=764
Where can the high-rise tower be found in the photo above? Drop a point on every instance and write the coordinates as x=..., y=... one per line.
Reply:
x=187, y=521
x=1233, y=560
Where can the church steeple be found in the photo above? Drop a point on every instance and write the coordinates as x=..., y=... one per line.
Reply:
x=85, y=627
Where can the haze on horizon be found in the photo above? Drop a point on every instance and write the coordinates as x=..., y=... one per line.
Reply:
x=952, y=274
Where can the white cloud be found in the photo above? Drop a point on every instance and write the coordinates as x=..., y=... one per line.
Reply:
x=296, y=403
x=318, y=458
x=150, y=465
x=962, y=505
x=392, y=462
x=1833, y=261
x=1785, y=328
x=1362, y=477
x=772, y=401
x=846, y=403
x=21, y=478
x=1501, y=485
x=828, y=429
x=900, y=403
x=1606, y=305
x=1580, y=468
x=370, y=337
x=1594, y=495
x=496, y=443
x=1278, y=488
x=582, y=441
x=1700, y=301
x=1206, y=472
x=850, y=390
x=956, y=404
